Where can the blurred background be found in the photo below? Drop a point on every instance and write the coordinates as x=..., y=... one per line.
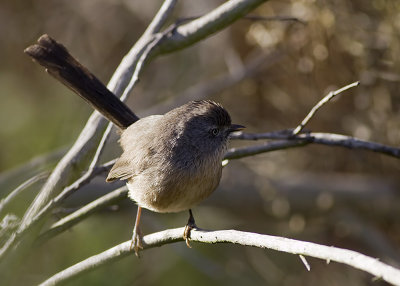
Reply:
x=268, y=74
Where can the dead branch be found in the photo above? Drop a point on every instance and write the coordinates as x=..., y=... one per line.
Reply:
x=329, y=253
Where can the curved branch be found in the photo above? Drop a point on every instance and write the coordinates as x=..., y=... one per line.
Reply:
x=200, y=28
x=289, y=141
x=323, y=101
x=328, y=253
x=14, y=193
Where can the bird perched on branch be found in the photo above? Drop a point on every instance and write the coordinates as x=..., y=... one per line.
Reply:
x=170, y=162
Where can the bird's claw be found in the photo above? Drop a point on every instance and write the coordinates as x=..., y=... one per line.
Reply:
x=136, y=243
x=188, y=228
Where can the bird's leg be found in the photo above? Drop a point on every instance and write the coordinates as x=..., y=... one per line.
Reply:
x=136, y=243
x=188, y=228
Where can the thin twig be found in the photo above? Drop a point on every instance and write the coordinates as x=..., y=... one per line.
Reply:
x=13, y=194
x=327, y=98
x=77, y=216
x=85, y=179
x=328, y=253
x=273, y=18
x=305, y=262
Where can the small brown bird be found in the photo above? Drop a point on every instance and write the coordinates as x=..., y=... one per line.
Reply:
x=172, y=162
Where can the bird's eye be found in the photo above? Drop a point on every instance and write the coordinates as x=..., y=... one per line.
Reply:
x=214, y=131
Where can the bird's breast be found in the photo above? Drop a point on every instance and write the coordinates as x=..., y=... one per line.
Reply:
x=171, y=189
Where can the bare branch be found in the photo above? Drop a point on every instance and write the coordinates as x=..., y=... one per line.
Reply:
x=13, y=194
x=72, y=219
x=161, y=17
x=304, y=139
x=328, y=253
x=327, y=98
x=237, y=153
x=21, y=233
x=273, y=18
x=252, y=18
x=216, y=20
x=305, y=262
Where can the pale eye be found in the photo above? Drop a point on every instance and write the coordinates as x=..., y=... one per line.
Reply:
x=215, y=131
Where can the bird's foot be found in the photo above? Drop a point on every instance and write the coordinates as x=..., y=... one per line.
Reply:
x=188, y=228
x=136, y=242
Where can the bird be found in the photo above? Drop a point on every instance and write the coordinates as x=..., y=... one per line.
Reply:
x=172, y=162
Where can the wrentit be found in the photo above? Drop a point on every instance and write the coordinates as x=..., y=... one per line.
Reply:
x=172, y=162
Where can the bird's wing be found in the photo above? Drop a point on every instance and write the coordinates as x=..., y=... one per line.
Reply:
x=121, y=170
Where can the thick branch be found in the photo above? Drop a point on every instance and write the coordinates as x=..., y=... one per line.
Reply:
x=328, y=253
x=218, y=19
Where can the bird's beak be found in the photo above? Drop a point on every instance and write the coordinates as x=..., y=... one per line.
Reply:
x=235, y=127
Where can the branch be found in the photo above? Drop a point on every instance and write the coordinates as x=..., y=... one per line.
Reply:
x=295, y=139
x=160, y=18
x=67, y=191
x=77, y=216
x=274, y=18
x=36, y=221
x=357, y=260
x=237, y=153
x=13, y=194
x=324, y=100
x=216, y=20
x=289, y=141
